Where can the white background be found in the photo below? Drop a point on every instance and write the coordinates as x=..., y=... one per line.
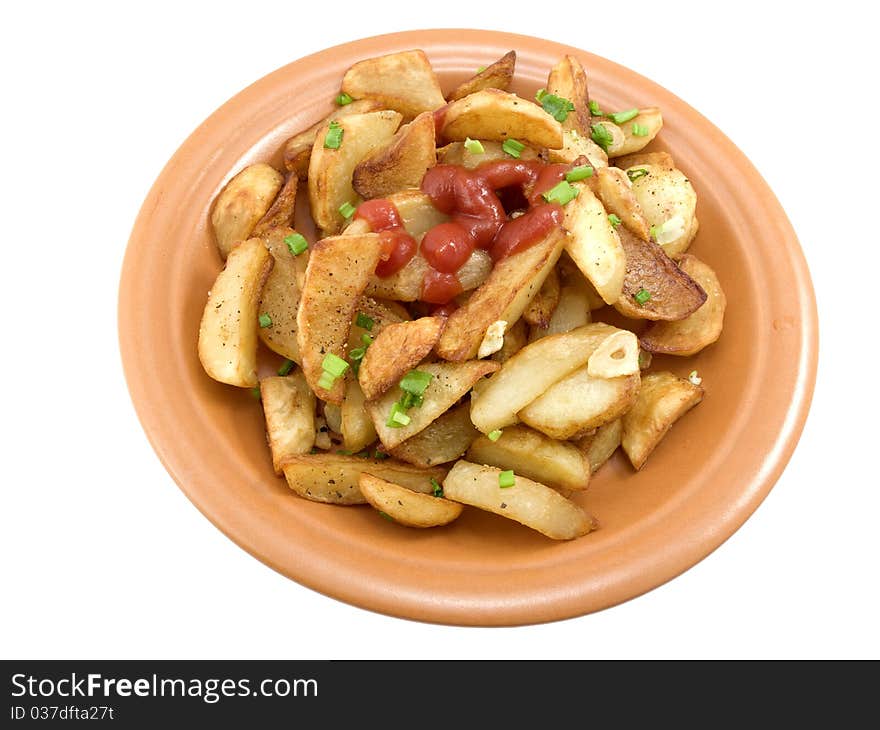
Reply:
x=104, y=557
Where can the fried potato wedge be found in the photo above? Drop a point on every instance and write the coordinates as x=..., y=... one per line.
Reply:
x=614, y=189
x=338, y=270
x=673, y=295
x=515, y=339
x=444, y=440
x=541, y=308
x=417, y=213
x=648, y=119
x=455, y=153
x=406, y=507
x=594, y=245
x=297, y=151
x=669, y=204
x=580, y=402
x=690, y=335
x=528, y=502
x=498, y=115
x=331, y=170
x=663, y=399
x=497, y=75
x=401, y=163
x=242, y=203
x=355, y=424
x=280, y=213
x=289, y=408
x=406, y=284
x=334, y=478
x=403, y=81
x=606, y=128
x=568, y=80
x=530, y=372
x=228, y=330
x=601, y=443
x=450, y=381
x=575, y=145
x=572, y=310
x=662, y=160
x=396, y=350
x=281, y=295
x=505, y=294
x=616, y=355
x=558, y=464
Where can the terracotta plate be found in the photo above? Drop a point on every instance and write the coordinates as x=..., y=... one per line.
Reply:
x=702, y=483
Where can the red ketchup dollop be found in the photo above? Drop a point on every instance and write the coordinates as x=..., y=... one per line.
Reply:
x=398, y=247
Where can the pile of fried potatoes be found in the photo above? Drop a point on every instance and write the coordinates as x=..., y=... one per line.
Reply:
x=513, y=400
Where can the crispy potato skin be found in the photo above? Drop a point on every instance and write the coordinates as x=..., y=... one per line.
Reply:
x=497, y=75
x=406, y=507
x=281, y=294
x=242, y=203
x=289, y=409
x=612, y=187
x=541, y=308
x=280, y=213
x=568, y=80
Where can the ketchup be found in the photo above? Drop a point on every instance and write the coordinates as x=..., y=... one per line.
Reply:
x=398, y=247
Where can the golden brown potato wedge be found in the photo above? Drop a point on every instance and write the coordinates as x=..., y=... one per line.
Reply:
x=568, y=80
x=558, y=464
x=242, y=203
x=614, y=189
x=690, y=335
x=450, y=381
x=515, y=339
x=601, y=443
x=443, y=441
x=334, y=478
x=280, y=213
x=662, y=400
x=355, y=423
x=649, y=122
x=498, y=115
x=528, y=502
x=594, y=245
x=281, y=294
x=417, y=213
x=289, y=408
x=541, y=308
x=530, y=372
x=455, y=153
x=662, y=160
x=228, y=330
x=505, y=294
x=497, y=75
x=297, y=151
x=669, y=203
x=616, y=355
x=331, y=170
x=338, y=270
x=396, y=350
x=654, y=287
x=580, y=402
x=402, y=81
x=406, y=507
x=575, y=145
x=573, y=309
x=406, y=284
x=401, y=163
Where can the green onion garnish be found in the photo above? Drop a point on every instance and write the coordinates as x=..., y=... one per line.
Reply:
x=513, y=147
x=296, y=243
x=556, y=106
x=437, y=489
x=366, y=339
x=343, y=99
x=347, y=210
x=255, y=392
x=614, y=220
x=621, y=117
x=506, y=479
x=540, y=94
x=594, y=109
x=334, y=365
x=286, y=367
x=385, y=516
x=474, y=146
x=561, y=193
x=326, y=381
x=415, y=382
x=642, y=296
x=397, y=418
x=333, y=138
x=654, y=231
x=379, y=454
x=579, y=173
x=265, y=320
x=601, y=136
x=640, y=130
x=481, y=69
x=634, y=175
x=357, y=354
x=494, y=435
x=364, y=321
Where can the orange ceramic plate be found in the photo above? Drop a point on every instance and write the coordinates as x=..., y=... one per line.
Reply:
x=703, y=481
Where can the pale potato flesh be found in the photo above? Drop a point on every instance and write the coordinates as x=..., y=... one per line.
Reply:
x=455, y=153
x=444, y=440
x=289, y=409
x=540, y=310
x=664, y=194
x=648, y=117
x=572, y=310
x=575, y=145
x=601, y=443
x=406, y=507
x=242, y=203
x=355, y=424
x=614, y=189
x=281, y=295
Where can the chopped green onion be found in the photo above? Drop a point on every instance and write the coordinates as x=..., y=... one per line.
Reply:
x=286, y=367
x=385, y=516
x=363, y=454
x=379, y=454
x=614, y=219
x=634, y=175
x=654, y=231
x=481, y=69
x=474, y=146
x=415, y=382
x=334, y=365
x=347, y=210
x=255, y=393
x=594, y=109
x=513, y=147
x=621, y=117
x=506, y=479
x=540, y=94
x=642, y=296
x=296, y=243
x=366, y=339
x=357, y=353
x=562, y=193
x=397, y=418
x=343, y=452
x=410, y=400
x=640, y=130
x=601, y=136
x=343, y=99
x=437, y=489
x=265, y=320
x=494, y=435
x=364, y=321
x=326, y=381
x=333, y=138
x=579, y=173
x=557, y=107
